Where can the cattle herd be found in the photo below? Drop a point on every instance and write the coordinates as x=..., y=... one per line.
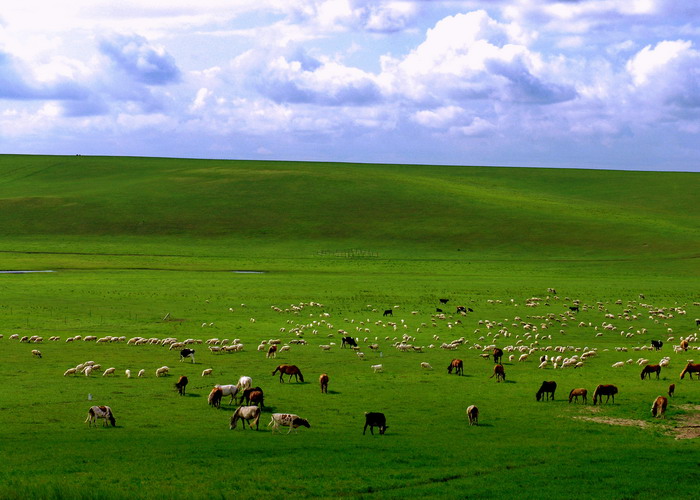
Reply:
x=520, y=339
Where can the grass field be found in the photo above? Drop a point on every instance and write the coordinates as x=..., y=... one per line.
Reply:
x=131, y=240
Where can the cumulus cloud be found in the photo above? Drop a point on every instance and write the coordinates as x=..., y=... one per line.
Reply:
x=140, y=60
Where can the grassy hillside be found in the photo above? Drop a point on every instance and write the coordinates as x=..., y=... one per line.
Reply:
x=238, y=207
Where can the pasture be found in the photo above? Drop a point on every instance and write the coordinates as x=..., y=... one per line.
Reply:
x=127, y=271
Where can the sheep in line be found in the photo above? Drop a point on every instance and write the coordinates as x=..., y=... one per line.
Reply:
x=109, y=371
x=141, y=373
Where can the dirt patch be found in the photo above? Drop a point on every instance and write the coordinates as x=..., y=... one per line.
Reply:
x=615, y=421
x=688, y=424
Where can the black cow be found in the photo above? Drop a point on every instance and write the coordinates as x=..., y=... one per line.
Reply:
x=187, y=353
x=444, y=301
x=657, y=344
x=375, y=419
x=573, y=308
x=388, y=312
x=348, y=341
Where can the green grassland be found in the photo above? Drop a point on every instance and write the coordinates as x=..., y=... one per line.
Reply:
x=133, y=239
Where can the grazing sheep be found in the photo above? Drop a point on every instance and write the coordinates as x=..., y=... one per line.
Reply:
x=426, y=366
x=206, y=372
x=141, y=373
x=69, y=371
x=162, y=371
x=127, y=373
x=619, y=364
x=109, y=371
x=87, y=370
x=36, y=353
x=377, y=368
x=473, y=415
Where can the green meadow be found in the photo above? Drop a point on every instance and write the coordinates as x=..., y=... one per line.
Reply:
x=155, y=248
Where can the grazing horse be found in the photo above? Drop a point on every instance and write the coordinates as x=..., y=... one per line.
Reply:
x=497, y=355
x=215, y=397
x=604, y=390
x=671, y=390
x=388, y=312
x=323, y=380
x=658, y=408
x=253, y=395
x=575, y=393
x=228, y=390
x=444, y=301
x=104, y=412
x=473, y=415
x=458, y=365
x=657, y=344
x=547, y=389
x=499, y=372
x=181, y=384
x=289, y=370
x=684, y=344
x=272, y=351
x=691, y=368
x=649, y=369
x=246, y=413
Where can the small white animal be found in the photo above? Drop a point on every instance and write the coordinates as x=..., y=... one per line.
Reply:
x=377, y=368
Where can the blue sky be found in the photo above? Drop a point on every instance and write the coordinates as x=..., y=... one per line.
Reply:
x=575, y=83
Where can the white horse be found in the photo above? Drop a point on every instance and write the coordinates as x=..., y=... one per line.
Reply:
x=244, y=383
x=104, y=412
x=246, y=413
x=228, y=390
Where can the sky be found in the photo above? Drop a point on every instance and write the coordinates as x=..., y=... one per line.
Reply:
x=611, y=84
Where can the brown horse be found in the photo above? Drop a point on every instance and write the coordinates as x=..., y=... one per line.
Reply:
x=497, y=355
x=323, y=380
x=499, y=372
x=473, y=415
x=181, y=384
x=253, y=396
x=604, y=390
x=691, y=368
x=215, y=397
x=649, y=369
x=546, y=389
x=289, y=370
x=658, y=408
x=575, y=393
x=671, y=390
x=456, y=364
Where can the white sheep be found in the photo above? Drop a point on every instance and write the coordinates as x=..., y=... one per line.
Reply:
x=426, y=366
x=619, y=364
x=69, y=371
x=206, y=372
x=377, y=368
x=87, y=371
x=127, y=372
x=141, y=373
x=109, y=371
x=162, y=371
x=36, y=353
